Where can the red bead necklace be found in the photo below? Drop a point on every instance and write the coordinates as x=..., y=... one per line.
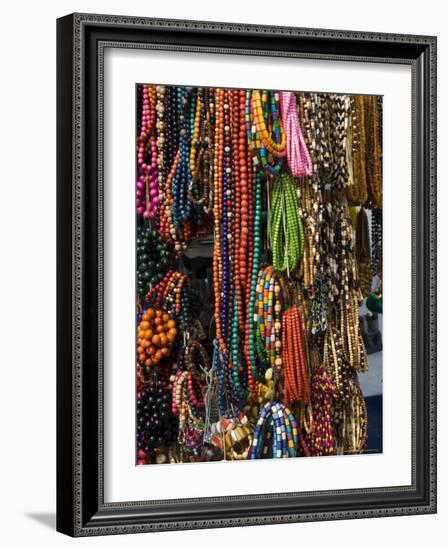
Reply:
x=296, y=375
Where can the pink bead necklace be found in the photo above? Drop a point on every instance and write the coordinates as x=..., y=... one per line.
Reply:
x=147, y=173
x=298, y=157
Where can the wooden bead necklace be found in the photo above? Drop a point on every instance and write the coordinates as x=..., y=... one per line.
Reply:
x=357, y=192
x=350, y=416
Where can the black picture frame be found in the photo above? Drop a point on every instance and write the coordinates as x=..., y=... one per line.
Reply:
x=81, y=39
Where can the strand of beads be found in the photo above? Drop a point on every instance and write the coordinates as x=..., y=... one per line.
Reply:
x=181, y=181
x=189, y=391
x=201, y=166
x=377, y=242
x=286, y=226
x=340, y=109
x=155, y=338
x=310, y=212
x=374, y=151
x=226, y=227
x=161, y=145
x=358, y=192
x=173, y=296
x=147, y=194
x=276, y=431
x=255, y=182
x=217, y=215
x=270, y=297
x=254, y=374
x=299, y=159
x=296, y=375
x=226, y=360
x=265, y=115
x=153, y=258
x=363, y=252
x=156, y=426
x=323, y=391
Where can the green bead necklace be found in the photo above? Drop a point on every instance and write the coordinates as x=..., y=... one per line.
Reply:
x=286, y=229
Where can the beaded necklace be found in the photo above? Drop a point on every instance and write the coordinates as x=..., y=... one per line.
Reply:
x=374, y=150
x=358, y=193
x=340, y=113
x=334, y=360
x=201, y=151
x=268, y=327
x=363, y=252
x=181, y=180
x=156, y=334
x=310, y=213
x=296, y=375
x=172, y=295
x=265, y=119
x=189, y=395
x=160, y=142
x=276, y=431
x=350, y=414
x=377, y=242
x=147, y=194
x=217, y=214
x=323, y=391
x=286, y=226
x=239, y=172
x=153, y=257
x=253, y=373
x=315, y=114
x=299, y=160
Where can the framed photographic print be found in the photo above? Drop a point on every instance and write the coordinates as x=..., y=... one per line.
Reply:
x=246, y=274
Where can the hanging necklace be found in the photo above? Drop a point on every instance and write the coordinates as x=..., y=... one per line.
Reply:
x=268, y=326
x=323, y=391
x=264, y=115
x=363, y=252
x=276, y=432
x=357, y=192
x=147, y=176
x=181, y=179
x=296, y=375
x=286, y=226
x=377, y=242
x=299, y=160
